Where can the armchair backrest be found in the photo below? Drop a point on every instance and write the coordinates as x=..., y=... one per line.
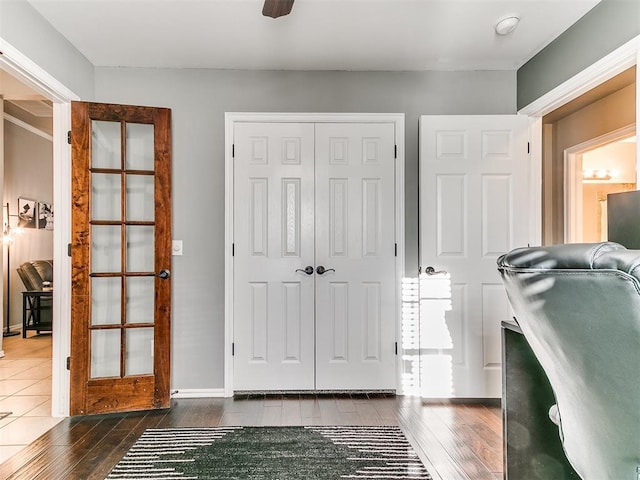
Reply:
x=578, y=306
x=34, y=273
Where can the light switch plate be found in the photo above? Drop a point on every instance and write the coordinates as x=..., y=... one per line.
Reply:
x=176, y=247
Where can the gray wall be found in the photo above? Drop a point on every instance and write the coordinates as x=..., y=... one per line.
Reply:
x=199, y=99
x=609, y=25
x=28, y=172
x=25, y=29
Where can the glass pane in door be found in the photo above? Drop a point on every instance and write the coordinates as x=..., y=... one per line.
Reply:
x=105, y=353
x=106, y=301
x=140, y=198
x=105, y=196
x=139, y=357
x=140, y=299
x=106, y=148
x=106, y=248
x=140, y=248
x=119, y=290
x=140, y=154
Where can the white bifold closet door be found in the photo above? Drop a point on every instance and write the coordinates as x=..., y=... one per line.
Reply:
x=319, y=196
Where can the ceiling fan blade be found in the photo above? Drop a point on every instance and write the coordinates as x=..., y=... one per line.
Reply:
x=277, y=8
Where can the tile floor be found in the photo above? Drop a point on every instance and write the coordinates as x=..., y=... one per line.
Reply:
x=25, y=392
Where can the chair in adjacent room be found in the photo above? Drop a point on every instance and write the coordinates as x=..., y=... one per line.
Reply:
x=578, y=306
x=37, y=277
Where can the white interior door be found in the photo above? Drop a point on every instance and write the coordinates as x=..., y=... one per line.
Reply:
x=474, y=199
x=273, y=237
x=355, y=235
x=309, y=196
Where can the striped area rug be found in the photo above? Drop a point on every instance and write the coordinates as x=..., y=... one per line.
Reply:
x=272, y=453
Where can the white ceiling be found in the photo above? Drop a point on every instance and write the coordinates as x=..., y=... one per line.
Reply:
x=317, y=35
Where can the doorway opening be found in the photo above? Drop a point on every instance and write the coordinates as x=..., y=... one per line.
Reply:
x=27, y=172
x=26, y=71
x=576, y=177
x=593, y=170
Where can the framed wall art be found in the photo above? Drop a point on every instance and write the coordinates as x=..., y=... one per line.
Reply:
x=45, y=215
x=27, y=212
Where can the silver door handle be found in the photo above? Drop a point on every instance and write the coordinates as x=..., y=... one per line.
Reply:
x=432, y=271
x=321, y=270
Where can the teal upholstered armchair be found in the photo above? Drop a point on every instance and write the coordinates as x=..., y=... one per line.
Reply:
x=578, y=306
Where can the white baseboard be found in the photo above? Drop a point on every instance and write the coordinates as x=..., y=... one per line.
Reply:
x=13, y=326
x=198, y=393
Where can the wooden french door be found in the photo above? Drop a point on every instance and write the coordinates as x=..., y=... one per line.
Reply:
x=121, y=258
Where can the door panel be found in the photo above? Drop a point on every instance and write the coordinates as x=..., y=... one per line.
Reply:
x=355, y=236
x=273, y=237
x=473, y=190
x=312, y=195
x=121, y=237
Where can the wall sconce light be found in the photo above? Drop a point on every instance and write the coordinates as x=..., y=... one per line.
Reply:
x=598, y=175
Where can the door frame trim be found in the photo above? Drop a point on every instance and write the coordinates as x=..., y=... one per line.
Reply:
x=19, y=65
x=622, y=58
x=233, y=118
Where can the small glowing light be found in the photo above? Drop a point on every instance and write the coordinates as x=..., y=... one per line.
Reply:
x=598, y=175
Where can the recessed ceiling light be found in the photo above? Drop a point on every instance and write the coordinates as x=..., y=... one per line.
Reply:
x=507, y=24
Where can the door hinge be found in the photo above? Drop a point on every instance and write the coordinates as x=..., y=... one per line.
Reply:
x=396, y=348
x=395, y=151
x=395, y=249
x=528, y=147
x=233, y=249
x=68, y=363
x=233, y=349
x=68, y=249
x=233, y=150
x=69, y=137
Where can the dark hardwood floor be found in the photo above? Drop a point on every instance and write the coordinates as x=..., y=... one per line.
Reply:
x=455, y=441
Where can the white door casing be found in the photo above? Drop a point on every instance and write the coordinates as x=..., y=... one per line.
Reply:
x=474, y=199
x=274, y=305
x=25, y=70
x=354, y=233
